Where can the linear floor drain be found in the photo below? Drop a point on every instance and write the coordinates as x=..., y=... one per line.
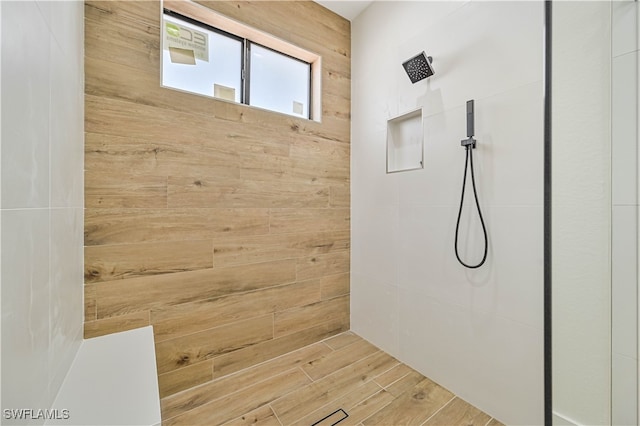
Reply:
x=332, y=419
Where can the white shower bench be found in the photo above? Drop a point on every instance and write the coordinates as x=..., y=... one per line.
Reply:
x=112, y=381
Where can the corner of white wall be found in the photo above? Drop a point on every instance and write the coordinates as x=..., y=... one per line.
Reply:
x=0, y=201
x=582, y=211
x=48, y=348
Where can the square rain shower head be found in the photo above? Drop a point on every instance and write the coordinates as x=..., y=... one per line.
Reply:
x=419, y=67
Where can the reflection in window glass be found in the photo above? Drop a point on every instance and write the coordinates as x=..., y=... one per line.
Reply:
x=198, y=60
x=279, y=82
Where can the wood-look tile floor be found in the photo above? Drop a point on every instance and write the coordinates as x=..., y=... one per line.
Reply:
x=344, y=372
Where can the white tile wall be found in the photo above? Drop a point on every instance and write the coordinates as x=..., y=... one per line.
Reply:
x=624, y=88
x=476, y=332
x=375, y=311
x=25, y=309
x=25, y=104
x=42, y=198
x=624, y=238
x=624, y=390
x=624, y=20
x=600, y=239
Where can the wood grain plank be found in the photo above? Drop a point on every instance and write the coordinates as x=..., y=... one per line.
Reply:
x=243, y=358
x=393, y=375
x=405, y=383
x=322, y=265
x=139, y=121
x=123, y=11
x=308, y=399
x=238, y=403
x=233, y=251
x=319, y=151
x=90, y=305
x=334, y=285
x=412, y=407
x=114, y=32
x=459, y=413
x=188, y=318
x=495, y=422
x=231, y=141
x=262, y=416
x=200, y=395
x=136, y=294
x=368, y=407
x=339, y=196
x=213, y=192
x=197, y=347
x=113, y=262
x=122, y=226
x=301, y=220
x=342, y=340
x=322, y=367
x=185, y=378
x=122, y=191
x=107, y=155
x=116, y=324
x=301, y=317
x=265, y=168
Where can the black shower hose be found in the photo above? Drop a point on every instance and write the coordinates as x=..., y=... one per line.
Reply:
x=469, y=159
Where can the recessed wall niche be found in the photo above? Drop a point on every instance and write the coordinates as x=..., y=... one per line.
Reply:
x=405, y=140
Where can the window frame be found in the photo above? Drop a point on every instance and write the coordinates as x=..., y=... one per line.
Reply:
x=211, y=20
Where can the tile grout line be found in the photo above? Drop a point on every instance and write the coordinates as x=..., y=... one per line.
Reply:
x=439, y=409
x=202, y=331
x=394, y=382
x=370, y=397
x=340, y=395
x=232, y=393
x=330, y=403
x=243, y=293
x=251, y=366
x=305, y=373
x=274, y=413
x=377, y=411
x=248, y=368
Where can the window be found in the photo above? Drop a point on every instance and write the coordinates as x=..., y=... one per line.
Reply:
x=199, y=60
x=278, y=82
x=245, y=66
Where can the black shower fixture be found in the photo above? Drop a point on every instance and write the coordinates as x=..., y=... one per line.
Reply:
x=469, y=145
x=419, y=67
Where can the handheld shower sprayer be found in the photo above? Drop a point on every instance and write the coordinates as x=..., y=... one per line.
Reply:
x=469, y=145
x=470, y=141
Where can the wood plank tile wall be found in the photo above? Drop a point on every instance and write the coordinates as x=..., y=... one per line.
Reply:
x=225, y=227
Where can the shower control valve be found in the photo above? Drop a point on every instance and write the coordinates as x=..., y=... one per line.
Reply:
x=466, y=142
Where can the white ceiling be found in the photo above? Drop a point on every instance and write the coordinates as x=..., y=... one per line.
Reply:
x=348, y=9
